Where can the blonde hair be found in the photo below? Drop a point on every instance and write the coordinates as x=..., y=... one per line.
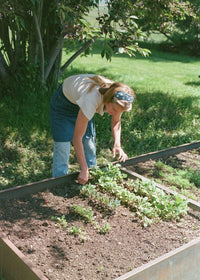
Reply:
x=99, y=81
x=108, y=88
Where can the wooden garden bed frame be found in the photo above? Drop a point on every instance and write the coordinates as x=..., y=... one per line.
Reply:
x=181, y=263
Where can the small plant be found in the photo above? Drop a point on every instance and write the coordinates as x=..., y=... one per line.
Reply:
x=61, y=221
x=77, y=231
x=86, y=213
x=104, y=229
x=148, y=202
x=101, y=199
x=111, y=171
x=163, y=205
x=74, y=230
x=100, y=269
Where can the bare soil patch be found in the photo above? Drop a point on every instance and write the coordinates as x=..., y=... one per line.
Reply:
x=59, y=255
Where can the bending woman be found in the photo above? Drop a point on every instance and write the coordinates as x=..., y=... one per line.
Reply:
x=72, y=109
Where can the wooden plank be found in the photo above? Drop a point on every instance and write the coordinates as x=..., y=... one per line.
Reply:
x=179, y=264
x=191, y=203
x=162, y=153
x=35, y=187
x=14, y=265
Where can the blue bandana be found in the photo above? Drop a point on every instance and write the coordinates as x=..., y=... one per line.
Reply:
x=124, y=96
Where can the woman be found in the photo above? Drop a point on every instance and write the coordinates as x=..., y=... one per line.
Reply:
x=72, y=108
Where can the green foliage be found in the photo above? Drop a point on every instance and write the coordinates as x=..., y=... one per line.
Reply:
x=61, y=221
x=33, y=32
x=88, y=216
x=104, y=229
x=107, y=172
x=102, y=199
x=149, y=203
x=178, y=20
x=164, y=206
x=74, y=230
x=85, y=213
x=77, y=231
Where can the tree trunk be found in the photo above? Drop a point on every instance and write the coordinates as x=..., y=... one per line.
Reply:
x=54, y=54
x=4, y=75
x=38, y=33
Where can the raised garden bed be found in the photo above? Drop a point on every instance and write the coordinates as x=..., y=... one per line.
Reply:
x=107, y=243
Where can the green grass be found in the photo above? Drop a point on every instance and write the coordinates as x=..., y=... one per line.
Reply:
x=165, y=113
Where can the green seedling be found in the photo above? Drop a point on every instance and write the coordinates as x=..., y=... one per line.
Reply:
x=77, y=231
x=149, y=202
x=104, y=229
x=86, y=212
x=61, y=221
x=102, y=199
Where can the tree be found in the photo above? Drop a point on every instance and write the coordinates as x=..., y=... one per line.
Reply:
x=32, y=35
x=32, y=32
x=177, y=20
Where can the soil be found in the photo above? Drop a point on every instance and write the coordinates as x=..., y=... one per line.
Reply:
x=59, y=255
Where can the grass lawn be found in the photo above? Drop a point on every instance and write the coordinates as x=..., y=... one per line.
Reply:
x=165, y=113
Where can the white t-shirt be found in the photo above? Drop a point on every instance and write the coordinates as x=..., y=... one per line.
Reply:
x=75, y=88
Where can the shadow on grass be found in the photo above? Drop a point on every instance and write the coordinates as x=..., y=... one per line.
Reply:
x=194, y=84
x=159, y=121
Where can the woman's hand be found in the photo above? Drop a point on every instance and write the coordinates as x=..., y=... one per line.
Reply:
x=116, y=131
x=122, y=155
x=83, y=177
x=79, y=131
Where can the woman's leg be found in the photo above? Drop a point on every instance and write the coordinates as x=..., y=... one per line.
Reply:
x=61, y=152
x=90, y=151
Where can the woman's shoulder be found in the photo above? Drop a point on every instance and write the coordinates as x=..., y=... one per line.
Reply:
x=78, y=77
x=81, y=77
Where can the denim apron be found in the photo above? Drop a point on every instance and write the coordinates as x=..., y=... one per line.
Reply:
x=63, y=115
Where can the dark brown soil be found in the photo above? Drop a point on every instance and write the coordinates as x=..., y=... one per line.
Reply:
x=27, y=223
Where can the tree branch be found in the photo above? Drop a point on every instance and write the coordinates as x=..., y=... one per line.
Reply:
x=38, y=33
x=73, y=57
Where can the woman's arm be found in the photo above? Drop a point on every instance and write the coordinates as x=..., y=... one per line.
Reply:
x=116, y=131
x=79, y=131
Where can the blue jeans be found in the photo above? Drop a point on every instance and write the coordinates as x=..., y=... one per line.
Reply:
x=61, y=154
